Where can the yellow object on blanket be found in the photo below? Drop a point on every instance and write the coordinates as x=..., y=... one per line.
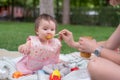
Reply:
x=55, y=75
x=17, y=74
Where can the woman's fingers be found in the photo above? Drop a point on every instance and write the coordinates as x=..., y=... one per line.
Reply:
x=65, y=32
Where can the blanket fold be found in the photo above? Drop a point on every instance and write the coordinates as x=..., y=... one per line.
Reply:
x=7, y=68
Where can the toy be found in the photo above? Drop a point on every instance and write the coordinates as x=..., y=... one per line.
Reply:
x=75, y=68
x=17, y=74
x=55, y=75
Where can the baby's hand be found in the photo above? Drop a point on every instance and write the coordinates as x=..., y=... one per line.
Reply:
x=24, y=49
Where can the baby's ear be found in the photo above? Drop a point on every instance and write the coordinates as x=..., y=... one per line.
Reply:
x=36, y=33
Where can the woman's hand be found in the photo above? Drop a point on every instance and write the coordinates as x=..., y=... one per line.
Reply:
x=87, y=45
x=67, y=36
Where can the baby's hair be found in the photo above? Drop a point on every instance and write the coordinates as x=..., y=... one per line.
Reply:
x=44, y=17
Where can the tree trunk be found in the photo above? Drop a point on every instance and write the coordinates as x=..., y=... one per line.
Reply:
x=12, y=10
x=47, y=6
x=66, y=12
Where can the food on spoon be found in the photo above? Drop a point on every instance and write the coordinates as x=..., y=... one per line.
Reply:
x=49, y=36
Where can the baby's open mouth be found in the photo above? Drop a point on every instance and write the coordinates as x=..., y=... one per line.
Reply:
x=49, y=36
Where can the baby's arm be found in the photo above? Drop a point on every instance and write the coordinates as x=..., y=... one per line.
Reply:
x=24, y=48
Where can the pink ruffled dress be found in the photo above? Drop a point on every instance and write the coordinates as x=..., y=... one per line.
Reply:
x=40, y=55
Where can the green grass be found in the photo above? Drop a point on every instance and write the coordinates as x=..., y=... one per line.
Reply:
x=12, y=34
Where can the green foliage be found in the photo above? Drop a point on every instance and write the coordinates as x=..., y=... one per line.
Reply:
x=12, y=34
x=88, y=3
x=108, y=16
x=104, y=16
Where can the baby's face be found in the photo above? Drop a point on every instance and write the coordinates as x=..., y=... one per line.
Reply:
x=46, y=30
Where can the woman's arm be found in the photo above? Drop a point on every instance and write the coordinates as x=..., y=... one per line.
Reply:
x=67, y=36
x=110, y=55
x=114, y=41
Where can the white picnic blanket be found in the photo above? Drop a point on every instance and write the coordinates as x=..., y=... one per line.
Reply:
x=7, y=65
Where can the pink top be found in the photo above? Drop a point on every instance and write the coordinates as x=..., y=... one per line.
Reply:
x=41, y=54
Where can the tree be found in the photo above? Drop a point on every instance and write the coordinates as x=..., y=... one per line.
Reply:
x=46, y=6
x=66, y=12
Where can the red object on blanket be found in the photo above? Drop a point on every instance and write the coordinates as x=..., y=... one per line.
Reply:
x=75, y=68
x=54, y=77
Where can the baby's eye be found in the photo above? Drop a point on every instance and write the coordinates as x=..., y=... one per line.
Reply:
x=45, y=29
x=52, y=29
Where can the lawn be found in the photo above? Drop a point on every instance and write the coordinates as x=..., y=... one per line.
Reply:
x=12, y=34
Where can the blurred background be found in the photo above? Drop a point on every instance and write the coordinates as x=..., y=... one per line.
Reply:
x=96, y=18
x=83, y=12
